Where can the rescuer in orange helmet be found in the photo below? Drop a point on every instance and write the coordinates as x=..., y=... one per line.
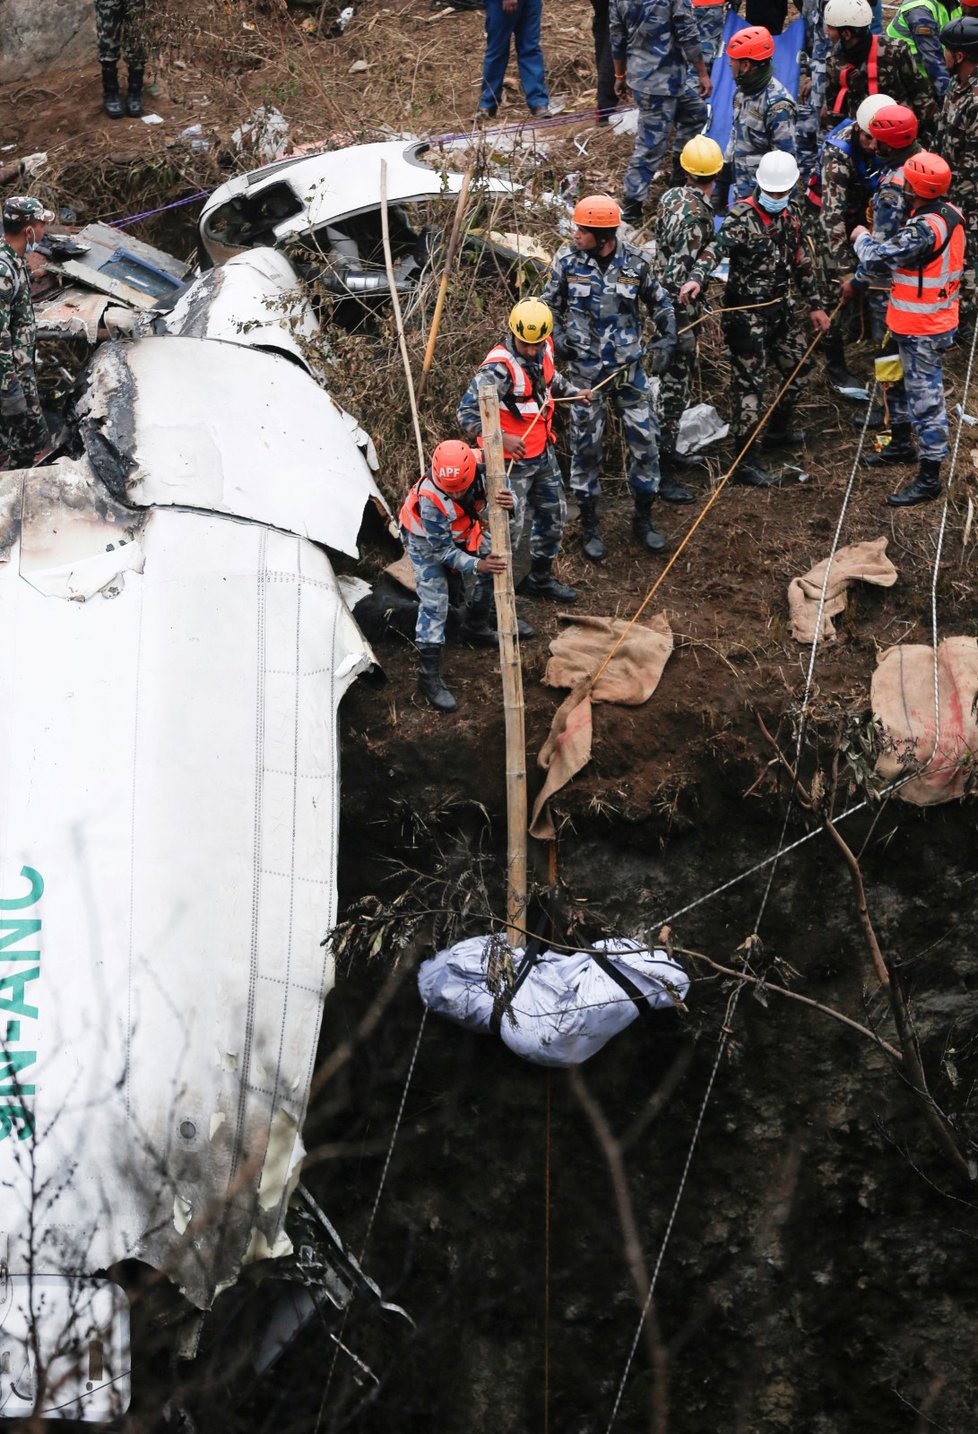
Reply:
x=926, y=261
x=443, y=535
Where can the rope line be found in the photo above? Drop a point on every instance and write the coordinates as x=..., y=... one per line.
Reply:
x=809, y=679
x=394, y=1133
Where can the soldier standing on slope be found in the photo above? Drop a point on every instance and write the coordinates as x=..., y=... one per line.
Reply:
x=120, y=27
x=23, y=432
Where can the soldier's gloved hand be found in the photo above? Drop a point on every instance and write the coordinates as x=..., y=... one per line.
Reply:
x=721, y=192
x=13, y=403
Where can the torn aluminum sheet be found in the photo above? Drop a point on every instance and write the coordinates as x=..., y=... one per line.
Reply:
x=71, y=311
x=255, y=299
x=168, y=841
x=228, y=429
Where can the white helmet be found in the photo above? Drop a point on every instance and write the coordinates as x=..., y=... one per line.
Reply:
x=777, y=172
x=848, y=14
x=870, y=108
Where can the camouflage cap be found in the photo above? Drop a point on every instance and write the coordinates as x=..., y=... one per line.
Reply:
x=22, y=206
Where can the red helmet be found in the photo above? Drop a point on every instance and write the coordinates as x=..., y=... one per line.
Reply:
x=453, y=466
x=894, y=125
x=928, y=175
x=753, y=43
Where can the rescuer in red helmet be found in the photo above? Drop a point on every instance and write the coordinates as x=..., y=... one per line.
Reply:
x=926, y=261
x=443, y=535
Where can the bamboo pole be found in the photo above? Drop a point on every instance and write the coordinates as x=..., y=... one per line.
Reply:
x=429, y=352
x=398, y=320
x=512, y=673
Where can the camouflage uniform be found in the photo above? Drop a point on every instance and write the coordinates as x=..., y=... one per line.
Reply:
x=919, y=396
x=891, y=209
x=683, y=235
x=120, y=26
x=536, y=482
x=764, y=260
x=957, y=142
x=436, y=559
x=837, y=201
x=21, y=434
x=598, y=329
x=661, y=42
x=710, y=20
x=897, y=76
x=812, y=67
x=763, y=119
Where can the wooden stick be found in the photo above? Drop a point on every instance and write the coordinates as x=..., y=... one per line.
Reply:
x=429, y=352
x=512, y=674
x=399, y=322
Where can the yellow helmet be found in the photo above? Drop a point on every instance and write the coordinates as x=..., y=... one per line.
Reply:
x=531, y=321
x=701, y=156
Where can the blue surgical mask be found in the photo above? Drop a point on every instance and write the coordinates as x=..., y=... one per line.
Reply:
x=33, y=242
x=773, y=206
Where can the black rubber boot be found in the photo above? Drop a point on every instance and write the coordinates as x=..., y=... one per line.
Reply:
x=643, y=528
x=670, y=489
x=631, y=211
x=523, y=629
x=876, y=419
x=779, y=433
x=836, y=370
x=925, y=487
x=429, y=678
x=134, y=94
x=478, y=629
x=594, y=549
x=749, y=473
x=111, y=102
x=541, y=583
x=900, y=448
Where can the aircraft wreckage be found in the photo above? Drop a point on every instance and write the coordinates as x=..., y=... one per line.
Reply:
x=168, y=835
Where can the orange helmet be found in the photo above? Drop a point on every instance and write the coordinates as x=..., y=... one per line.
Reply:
x=894, y=125
x=928, y=175
x=597, y=211
x=453, y=466
x=753, y=43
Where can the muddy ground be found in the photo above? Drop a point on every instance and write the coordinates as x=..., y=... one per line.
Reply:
x=817, y=1251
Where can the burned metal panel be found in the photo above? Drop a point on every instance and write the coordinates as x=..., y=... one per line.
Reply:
x=255, y=299
x=71, y=311
x=224, y=428
x=168, y=843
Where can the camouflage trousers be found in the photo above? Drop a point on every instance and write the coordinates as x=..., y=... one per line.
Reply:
x=120, y=28
x=675, y=386
x=631, y=401
x=537, y=486
x=658, y=115
x=435, y=584
x=25, y=435
x=710, y=20
x=755, y=340
x=919, y=396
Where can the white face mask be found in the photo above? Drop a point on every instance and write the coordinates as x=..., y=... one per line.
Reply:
x=32, y=241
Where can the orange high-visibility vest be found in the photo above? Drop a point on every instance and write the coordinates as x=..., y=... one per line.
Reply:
x=466, y=530
x=924, y=300
x=520, y=414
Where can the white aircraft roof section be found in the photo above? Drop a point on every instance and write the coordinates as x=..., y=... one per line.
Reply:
x=168, y=759
x=228, y=429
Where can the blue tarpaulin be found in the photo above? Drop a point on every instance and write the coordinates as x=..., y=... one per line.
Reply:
x=786, y=48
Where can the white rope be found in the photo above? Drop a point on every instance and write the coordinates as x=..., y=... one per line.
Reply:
x=394, y=1133
x=782, y=849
